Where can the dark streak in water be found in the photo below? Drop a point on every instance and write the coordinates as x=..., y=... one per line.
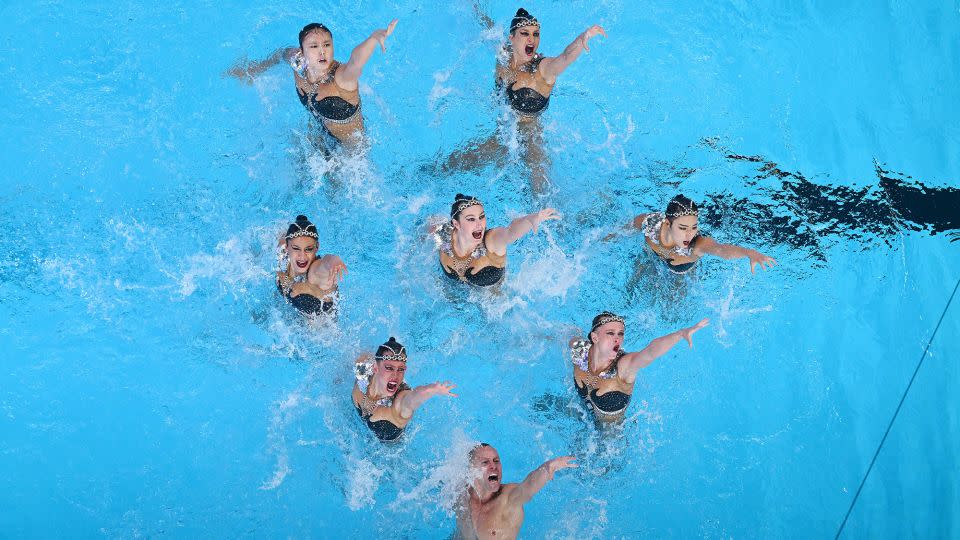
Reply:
x=815, y=212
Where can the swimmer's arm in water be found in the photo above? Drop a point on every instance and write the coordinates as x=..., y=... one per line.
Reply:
x=634, y=225
x=247, y=70
x=348, y=76
x=332, y=264
x=411, y=400
x=535, y=481
x=499, y=238
x=551, y=68
x=730, y=251
x=631, y=363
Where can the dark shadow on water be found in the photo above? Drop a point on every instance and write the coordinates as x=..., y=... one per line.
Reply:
x=879, y=212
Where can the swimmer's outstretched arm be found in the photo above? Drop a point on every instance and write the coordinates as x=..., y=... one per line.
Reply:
x=631, y=363
x=247, y=70
x=411, y=400
x=348, y=76
x=551, y=68
x=535, y=481
x=499, y=238
x=731, y=251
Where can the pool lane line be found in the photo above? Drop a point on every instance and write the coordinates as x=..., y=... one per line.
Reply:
x=896, y=412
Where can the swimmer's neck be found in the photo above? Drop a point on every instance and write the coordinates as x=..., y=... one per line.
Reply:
x=457, y=242
x=595, y=364
x=666, y=239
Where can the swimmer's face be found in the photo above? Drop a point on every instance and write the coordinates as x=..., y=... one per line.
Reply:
x=525, y=41
x=388, y=375
x=608, y=338
x=317, y=48
x=301, y=251
x=683, y=229
x=473, y=222
x=486, y=464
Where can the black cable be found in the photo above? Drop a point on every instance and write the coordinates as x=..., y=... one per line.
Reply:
x=896, y=412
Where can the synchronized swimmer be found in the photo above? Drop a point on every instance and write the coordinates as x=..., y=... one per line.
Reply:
x=473, y=254
x=604, y=374
x=328, y=89
x=310, y=282
x=382, y=399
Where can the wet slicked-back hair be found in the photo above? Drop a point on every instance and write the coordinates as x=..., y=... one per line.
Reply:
x=310, y=28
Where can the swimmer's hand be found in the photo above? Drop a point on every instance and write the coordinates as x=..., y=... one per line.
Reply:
x=382, y=34
x=688, y=333
x=555, y=464
x=593, y=31
x=337, y=269
x=241, y=71
x=757, y=258
x=541, y=216
x=441, y=389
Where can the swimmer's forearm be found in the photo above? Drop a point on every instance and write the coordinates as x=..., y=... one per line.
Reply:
x=729, y=251
x=533, y=483
x=521, y=226
x=252, y=69
x=360, y=56
x=657, y=348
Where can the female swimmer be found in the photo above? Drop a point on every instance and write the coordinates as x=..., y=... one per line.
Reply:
x=381, y=397
x=309, y=283
x=326, y=88
x=604, y=374
x=471, y=253
x=674, y=236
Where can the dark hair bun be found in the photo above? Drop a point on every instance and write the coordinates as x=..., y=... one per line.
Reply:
x=522, y=13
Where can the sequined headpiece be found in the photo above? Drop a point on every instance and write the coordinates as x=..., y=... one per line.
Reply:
x=302, y=227
x=523, y=18
x=681, y=206
x=461, y=203
x=392, y=351
x=607, y=317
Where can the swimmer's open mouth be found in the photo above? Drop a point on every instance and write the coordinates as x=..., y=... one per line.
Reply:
x=686, y=243
x=392, y=386
x=493, y=478
x=528, y=49
x=616, y=348
x=301, y=264
x=477, y=235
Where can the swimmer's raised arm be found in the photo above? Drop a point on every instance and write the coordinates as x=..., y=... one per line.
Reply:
x=411, y=400
x=348, y=76
x=731, y=251
x=553, y=67
x=499, y=238
x=247, y=70
x=535, y=481
x=630, y=363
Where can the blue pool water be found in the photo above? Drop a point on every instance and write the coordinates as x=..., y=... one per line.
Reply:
x=154, y=385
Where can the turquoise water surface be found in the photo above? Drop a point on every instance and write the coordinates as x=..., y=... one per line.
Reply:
x=154, y=384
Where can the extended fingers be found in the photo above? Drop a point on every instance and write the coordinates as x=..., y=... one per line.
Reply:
x=391, y=25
